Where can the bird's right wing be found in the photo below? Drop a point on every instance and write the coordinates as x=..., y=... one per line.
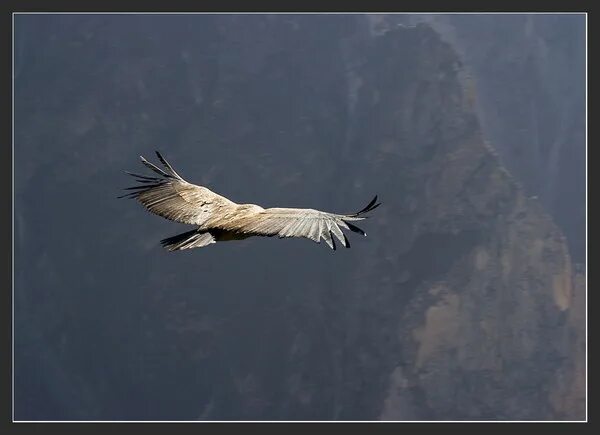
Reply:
x=301, y=222
x=170, y=196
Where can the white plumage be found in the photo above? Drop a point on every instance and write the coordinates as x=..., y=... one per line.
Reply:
x=218, y=219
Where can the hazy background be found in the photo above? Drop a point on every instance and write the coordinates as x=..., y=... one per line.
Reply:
x=466, y=300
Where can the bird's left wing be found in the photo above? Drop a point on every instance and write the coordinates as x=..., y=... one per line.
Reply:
x=170, y=196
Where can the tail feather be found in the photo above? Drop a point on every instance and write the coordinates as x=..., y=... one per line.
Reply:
x=188, y=240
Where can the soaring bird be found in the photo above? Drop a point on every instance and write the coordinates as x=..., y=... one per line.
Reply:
x=218, y=219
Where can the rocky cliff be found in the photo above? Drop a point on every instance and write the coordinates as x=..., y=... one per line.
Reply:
x=530, y=74
x=462, y=302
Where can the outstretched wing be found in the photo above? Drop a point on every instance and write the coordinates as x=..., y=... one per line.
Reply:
x=170, y=196
x=296, y=222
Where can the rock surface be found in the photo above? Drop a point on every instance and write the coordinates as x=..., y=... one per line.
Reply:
x=530, y=74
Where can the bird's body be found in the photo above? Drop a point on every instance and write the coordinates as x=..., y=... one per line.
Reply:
x=219, y=219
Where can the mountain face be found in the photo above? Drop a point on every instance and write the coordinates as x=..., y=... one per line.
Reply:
x=462, y=302
x=530, y=75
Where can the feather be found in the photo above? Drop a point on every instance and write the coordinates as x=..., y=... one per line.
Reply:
x=218, y=219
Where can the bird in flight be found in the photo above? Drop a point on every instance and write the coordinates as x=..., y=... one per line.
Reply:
x=218, y=219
